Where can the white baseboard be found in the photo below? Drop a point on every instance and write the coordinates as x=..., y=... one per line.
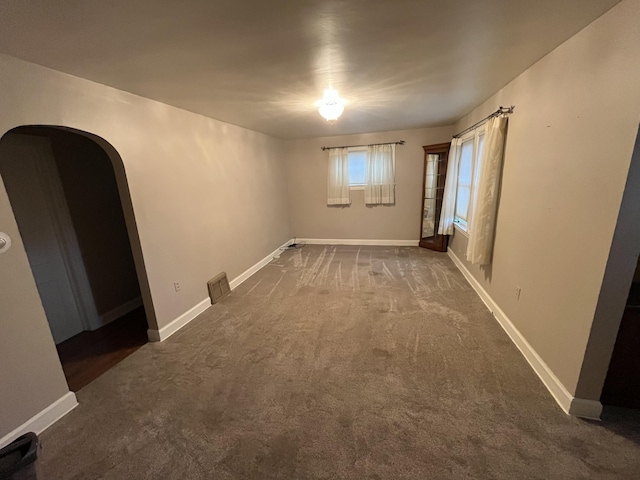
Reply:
x=120, y=311
x=354, y=241
x=250, y=271
x=581, y=407
x=571, y=405
x=43, y=420
x=175, y=325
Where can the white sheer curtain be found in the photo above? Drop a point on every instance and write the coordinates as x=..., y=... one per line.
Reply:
x=450, y=189
x=379, y=186
x=338, y=177
x=485, y=198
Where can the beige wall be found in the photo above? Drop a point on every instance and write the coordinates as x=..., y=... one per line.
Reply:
x=207, y=197
x=30, y=374
x=621, y=264
x=307, y=172
x=567, y=156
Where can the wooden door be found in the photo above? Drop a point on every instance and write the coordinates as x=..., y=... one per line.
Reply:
x=433, y=180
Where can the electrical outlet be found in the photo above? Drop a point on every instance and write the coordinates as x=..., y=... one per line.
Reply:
x=518, y=291
x=176, y=285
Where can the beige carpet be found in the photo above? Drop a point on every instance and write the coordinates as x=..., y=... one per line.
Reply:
x=336, y=363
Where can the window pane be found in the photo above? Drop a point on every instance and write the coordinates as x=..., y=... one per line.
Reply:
x=465, y=171
x=462, y=202
x=357, y=162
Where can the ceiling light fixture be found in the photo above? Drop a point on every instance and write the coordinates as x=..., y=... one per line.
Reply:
x=331, y=106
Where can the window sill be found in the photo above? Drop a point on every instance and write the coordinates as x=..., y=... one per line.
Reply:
x=356, y=187
x=460, y=229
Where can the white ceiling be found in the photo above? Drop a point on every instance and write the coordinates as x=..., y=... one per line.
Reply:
x=262, y=64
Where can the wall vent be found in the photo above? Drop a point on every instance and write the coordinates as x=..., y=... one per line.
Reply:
x=218, y=287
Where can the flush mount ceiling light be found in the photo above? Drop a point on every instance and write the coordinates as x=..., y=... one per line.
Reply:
x=331, y=106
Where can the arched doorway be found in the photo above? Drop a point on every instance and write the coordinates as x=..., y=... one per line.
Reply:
x=69, y=196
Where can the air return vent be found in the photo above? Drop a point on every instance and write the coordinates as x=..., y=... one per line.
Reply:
x=218, y=287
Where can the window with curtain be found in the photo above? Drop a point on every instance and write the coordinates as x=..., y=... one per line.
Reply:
x=357, y=167
x=380, y=172
x=371, y=169
x=468, y=167
x=472, y=187
x=338, y=177
x=484, y=202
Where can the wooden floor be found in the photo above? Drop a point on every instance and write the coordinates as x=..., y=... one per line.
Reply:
x=90, y=354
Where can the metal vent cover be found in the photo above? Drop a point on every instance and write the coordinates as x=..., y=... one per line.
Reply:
x=218, y=287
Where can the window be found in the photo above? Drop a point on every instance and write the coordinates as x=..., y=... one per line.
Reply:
x=357, y=167
x=468, y=168
x=370, y=168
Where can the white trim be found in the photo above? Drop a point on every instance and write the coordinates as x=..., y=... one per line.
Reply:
x=581, y=407
x=351, y=241
x=44, y=419
x=460, y=228
x=573, y=406
x=250, y=271
x=474, y=135
x=175, y=325
x=120, y=311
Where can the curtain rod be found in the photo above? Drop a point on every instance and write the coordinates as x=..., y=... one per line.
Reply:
x=500, y=111
x=399, y=142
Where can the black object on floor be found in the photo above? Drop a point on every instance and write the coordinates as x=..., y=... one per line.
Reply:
x=18, y=460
